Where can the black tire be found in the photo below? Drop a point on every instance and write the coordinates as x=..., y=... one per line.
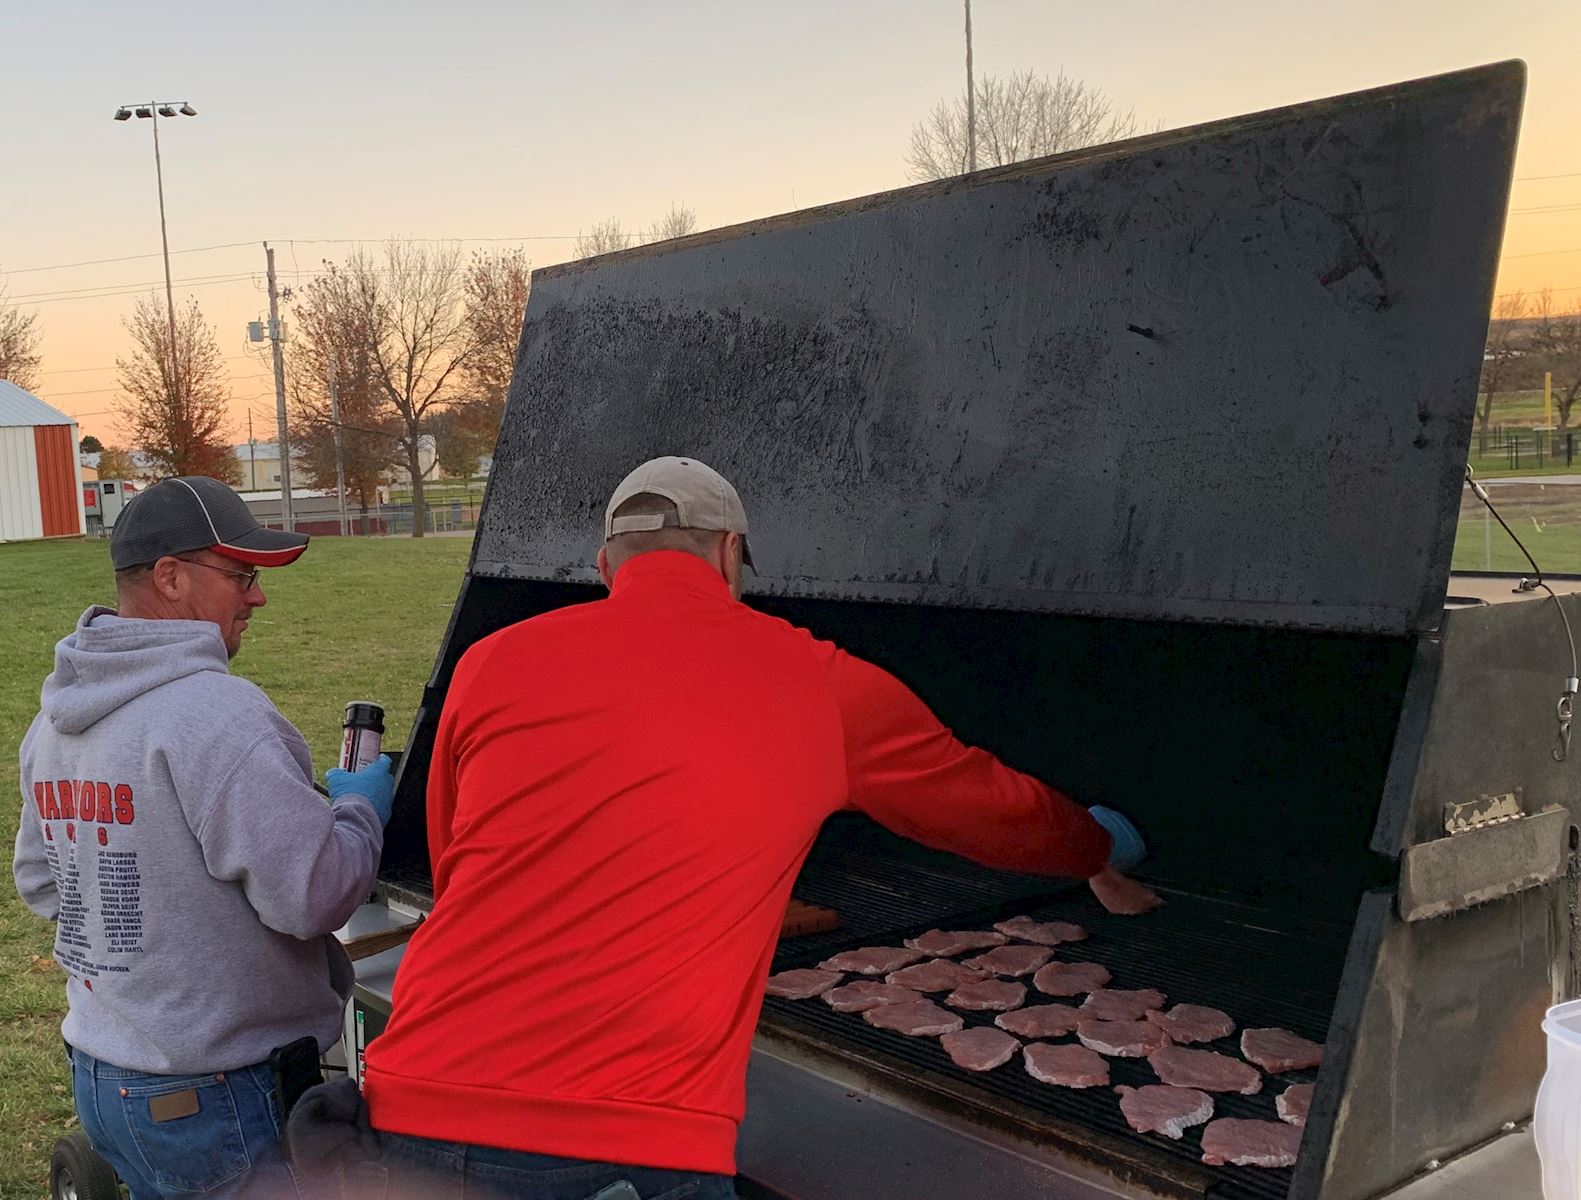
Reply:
x=76, y=1172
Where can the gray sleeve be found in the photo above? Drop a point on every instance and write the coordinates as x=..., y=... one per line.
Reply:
x=304, y=864
x=35, y=882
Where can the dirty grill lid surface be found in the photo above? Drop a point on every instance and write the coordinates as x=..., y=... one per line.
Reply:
x=1224, y=373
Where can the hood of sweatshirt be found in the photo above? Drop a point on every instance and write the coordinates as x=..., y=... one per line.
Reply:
x=108, y=661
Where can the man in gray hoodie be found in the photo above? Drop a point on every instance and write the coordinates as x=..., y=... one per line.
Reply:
x=171, y=830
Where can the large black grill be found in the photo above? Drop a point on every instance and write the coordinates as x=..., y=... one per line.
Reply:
x=1262, y=970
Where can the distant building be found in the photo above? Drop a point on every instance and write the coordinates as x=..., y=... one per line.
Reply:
x=427, y=455
x=260, y=466
x=40, y=487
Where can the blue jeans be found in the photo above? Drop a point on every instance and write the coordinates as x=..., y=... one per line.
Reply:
x=170, y=1137
x=435, y=1170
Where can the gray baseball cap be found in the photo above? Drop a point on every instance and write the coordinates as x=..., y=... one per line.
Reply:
x=194, y=512
x=703, y=499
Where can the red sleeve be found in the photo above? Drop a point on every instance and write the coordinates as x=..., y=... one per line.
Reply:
x=912, y=775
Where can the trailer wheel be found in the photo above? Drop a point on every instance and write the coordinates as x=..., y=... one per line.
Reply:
x=76, y=1172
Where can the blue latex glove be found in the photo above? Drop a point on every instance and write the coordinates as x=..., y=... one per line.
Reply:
x=1129, y=848
x=373, y=783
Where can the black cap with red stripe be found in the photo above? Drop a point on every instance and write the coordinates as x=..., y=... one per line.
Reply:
x=194, y=512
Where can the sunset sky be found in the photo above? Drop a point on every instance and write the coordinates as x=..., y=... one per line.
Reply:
x=322, y=124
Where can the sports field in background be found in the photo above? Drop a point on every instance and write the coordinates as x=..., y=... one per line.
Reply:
x=353, y=619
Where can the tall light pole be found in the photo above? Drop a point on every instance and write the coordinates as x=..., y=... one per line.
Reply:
x=971, y=97
x=153, y=110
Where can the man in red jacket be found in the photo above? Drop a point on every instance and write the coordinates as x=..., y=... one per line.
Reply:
x=620, y=798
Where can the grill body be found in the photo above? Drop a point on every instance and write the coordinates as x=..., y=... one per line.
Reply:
x=1141, y=465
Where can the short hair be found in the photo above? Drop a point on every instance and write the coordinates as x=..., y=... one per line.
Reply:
x=624, y=546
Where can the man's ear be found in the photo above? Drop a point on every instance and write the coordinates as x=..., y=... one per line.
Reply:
x=730, y=562
x=604, y=572
x=164, y=580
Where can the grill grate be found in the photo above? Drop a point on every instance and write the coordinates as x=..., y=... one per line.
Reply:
x=1262, y=971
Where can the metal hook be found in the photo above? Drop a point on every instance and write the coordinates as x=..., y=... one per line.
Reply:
x=1566, y=715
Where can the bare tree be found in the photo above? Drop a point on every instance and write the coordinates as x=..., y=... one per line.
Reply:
x=180, y=429
x=332, y=336
x=604, y=238
x=19, y=337
x=496, y=286
x=1023, y=116
x=1556, y=344
x=678, y=222
x=418, y=340
x=1501, y=358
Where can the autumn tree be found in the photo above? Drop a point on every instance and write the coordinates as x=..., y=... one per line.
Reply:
x=116, y=463
x=496, y=287
x=175, y=406
x=332, y=338
x=19, y=340
x=413, y=322
x=457, y=445
x=1501, y=359
x=1025, y=115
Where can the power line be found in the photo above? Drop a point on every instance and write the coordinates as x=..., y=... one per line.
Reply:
x=143, y=289
x=152, y=283
x=1540, y=253
x=1545, y=208
x=96, y=262
x=1534, y=178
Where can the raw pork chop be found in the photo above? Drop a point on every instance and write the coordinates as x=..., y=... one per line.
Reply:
x=1122, y=1039
x=1277, y=1050
x=1157, y=1108
x=919, y=1018
x=1066, y=1066
x=802, y=984
x=1188, y=1023
x=939, y=975
x=1044, y=933
x=868, y=993
x=938, y=944
x=991, y=995
x=1070, y=979
x=1040, y=1021
x=1205, y=1070
x=979, y=1049
x=1116, y=1004
x=1250, y=1143
x=1011, y=960
x=1294, y=1103
x=872, y=960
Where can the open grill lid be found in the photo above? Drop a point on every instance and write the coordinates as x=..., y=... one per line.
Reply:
x=1024, y=388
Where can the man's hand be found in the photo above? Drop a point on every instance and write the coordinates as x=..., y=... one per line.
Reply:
x=373, y=783
x=1120, y=894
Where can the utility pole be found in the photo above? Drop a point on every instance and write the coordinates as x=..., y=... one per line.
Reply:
x=279, y=396
x=252, y=454
x=340, y=461
x=971, y=97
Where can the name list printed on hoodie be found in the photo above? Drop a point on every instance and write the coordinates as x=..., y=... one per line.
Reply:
x=121, y=901
x=119, y=914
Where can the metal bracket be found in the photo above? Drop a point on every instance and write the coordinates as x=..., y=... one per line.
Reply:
x=1500, y=856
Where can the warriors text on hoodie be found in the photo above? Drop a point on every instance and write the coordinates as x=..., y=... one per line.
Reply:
x=171, y=829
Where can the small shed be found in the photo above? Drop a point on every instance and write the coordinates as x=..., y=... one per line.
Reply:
x=40, y=480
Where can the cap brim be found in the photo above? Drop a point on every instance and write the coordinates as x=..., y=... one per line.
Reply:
x=264, y=548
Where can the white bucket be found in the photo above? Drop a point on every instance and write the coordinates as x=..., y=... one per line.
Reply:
x=1556, y=1125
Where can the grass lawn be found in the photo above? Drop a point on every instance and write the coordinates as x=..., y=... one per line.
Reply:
x=353, y=619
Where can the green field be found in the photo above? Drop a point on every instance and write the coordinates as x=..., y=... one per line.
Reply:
x=353, y=619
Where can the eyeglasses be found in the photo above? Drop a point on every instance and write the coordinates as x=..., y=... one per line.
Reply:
x=248, y=578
